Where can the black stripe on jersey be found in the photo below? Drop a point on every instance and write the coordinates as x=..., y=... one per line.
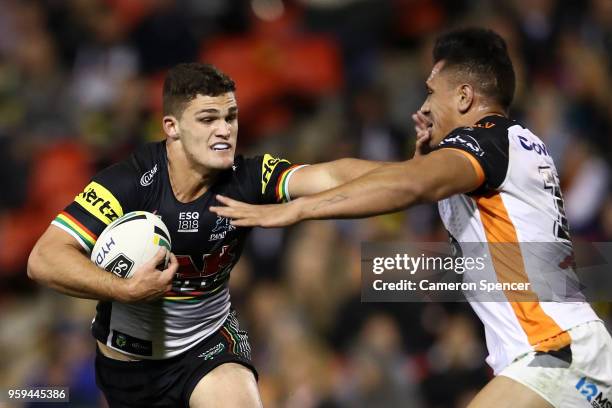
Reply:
x=101, y=326
x=136, y=217
x=487, y=141
x=83, y=216
x=161, y=232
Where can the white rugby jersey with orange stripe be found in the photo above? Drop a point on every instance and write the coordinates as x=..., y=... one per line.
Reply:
x=517, y=217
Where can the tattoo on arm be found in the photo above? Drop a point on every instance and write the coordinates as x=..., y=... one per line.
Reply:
x=330, y=201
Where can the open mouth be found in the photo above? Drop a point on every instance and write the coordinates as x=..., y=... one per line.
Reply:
x=220, y=147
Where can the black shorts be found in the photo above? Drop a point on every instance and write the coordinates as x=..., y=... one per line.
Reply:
x=170, y=382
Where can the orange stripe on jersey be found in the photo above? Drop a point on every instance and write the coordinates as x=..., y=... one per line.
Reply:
x=477, y=167
x=542, y=331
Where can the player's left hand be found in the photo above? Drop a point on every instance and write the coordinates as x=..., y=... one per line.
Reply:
x=249, y=215
x=422, y=127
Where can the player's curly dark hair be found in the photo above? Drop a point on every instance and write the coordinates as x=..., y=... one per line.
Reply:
x=185, y=81
x=479, y=56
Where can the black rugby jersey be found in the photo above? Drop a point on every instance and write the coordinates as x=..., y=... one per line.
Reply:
x=206, y=245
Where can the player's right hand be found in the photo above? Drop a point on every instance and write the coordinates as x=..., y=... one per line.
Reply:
x=149, y=283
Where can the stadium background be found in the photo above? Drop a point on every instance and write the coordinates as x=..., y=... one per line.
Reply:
x=80, y=84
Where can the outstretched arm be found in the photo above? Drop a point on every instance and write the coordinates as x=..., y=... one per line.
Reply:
x=316, y=178
x=388, y=188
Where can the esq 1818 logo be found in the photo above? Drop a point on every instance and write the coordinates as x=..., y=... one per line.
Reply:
x=188, y=221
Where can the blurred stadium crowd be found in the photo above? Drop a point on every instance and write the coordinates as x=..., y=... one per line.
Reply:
x=80, y=87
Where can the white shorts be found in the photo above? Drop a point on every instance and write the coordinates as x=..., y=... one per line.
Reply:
x=581, y=377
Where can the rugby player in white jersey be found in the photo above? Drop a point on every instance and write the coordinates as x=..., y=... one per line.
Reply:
x=495, y=184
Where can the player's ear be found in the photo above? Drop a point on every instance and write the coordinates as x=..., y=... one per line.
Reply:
x=465, y=97
x=171, y=126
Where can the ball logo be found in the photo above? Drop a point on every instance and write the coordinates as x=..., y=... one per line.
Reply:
x=147, y=178
x=121, y=266
x=104, y=251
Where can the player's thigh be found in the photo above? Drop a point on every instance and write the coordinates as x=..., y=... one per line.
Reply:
x=230, y=385
x=504, y=392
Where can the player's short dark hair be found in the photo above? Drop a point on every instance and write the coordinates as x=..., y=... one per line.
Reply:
x=480, y=56
x=185, y=81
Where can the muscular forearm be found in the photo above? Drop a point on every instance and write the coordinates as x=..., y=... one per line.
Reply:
x=344, y=170
x=324, y=176
x=392, y=187
x=69, y=271
x=382, y=190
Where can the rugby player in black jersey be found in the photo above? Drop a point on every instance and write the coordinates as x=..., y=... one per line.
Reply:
x=495, y=184
x=170, y=338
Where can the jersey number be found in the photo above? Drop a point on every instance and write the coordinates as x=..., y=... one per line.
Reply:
x=551, y=183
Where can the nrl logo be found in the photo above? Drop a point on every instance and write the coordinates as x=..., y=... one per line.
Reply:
x=121, y=340
x=147, y=178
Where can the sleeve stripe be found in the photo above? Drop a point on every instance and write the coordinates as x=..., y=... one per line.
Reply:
x=73, y=233
x=70, y=222
x=79, y=225
x=286, y=182
x=281, y=185
x=475, y=164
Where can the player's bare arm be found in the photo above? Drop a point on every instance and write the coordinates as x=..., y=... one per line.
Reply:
x=59, y=262
x=385, y=189
x=317, y=178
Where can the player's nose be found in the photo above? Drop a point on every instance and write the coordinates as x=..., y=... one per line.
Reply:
x=224, y=129
x=425, y=107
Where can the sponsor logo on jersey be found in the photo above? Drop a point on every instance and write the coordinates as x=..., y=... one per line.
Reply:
x=268, y=165
x=212, y=352
x=104, y=251
x=120, y=266
x=539, y=148
x=100, y=203
x=188, y=221
x=147, y=178
x=592, y=394
x=134, y=345
x=121, y=340
x=222, y=227
x=466, y=141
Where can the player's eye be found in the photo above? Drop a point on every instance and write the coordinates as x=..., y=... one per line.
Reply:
x=207, y=120
x=231, y=118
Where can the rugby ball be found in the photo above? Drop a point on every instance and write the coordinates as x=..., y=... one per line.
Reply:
x=130, y=241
